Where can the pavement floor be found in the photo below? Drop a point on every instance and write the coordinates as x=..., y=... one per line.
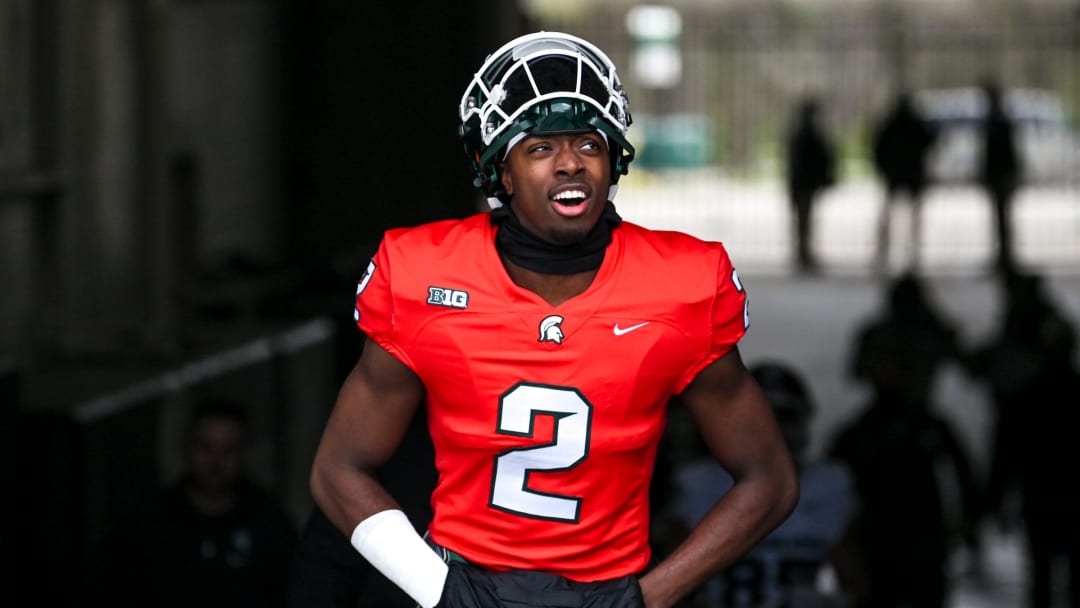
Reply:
x=809, y=320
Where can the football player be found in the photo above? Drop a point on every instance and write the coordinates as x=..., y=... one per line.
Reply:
x=545, y=339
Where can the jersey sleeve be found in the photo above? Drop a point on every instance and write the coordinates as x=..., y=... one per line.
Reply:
x=374, y=304
x=729, y=319
x=731, y=310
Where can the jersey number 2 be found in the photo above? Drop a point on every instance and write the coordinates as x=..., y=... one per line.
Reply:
x=518, y=409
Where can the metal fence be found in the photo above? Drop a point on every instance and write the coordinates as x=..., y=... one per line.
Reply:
x=719, y=132
x=746, y=66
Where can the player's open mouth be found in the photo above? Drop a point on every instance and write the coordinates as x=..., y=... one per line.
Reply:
x=568, y=202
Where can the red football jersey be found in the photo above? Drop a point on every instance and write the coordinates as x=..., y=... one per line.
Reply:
x=546, y=419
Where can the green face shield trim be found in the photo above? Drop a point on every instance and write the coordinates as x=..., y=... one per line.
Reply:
x=562, y=116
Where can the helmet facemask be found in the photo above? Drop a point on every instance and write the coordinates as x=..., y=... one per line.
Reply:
x=544, y=83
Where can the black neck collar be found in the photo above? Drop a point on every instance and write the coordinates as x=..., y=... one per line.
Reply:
x=527, y=250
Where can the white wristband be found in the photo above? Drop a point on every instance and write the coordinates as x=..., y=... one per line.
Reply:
x=390, y=543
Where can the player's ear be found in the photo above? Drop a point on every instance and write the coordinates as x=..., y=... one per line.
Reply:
x=507, y=181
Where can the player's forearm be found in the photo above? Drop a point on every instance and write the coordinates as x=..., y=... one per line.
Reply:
x=740, y=520
x=348, y=496
x=378, y=529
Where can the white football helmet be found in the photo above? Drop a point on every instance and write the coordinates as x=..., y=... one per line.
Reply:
x=546, y=82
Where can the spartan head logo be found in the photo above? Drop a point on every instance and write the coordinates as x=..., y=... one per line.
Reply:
x=550, y=331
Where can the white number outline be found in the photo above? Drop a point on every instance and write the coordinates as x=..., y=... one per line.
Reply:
x=746, y=298
x=569, y=447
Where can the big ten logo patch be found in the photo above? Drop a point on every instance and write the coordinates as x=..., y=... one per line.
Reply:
x=453, y=298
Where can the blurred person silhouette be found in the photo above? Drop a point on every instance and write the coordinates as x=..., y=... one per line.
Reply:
x=211, y=537
x=919, y=499
x=900, y=145
x=811, y=168
x=910, y=322
x=1029, y=366
x=801, y=562
x=1000, y=170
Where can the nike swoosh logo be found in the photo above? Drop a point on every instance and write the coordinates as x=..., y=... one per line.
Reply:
x=625, y=330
